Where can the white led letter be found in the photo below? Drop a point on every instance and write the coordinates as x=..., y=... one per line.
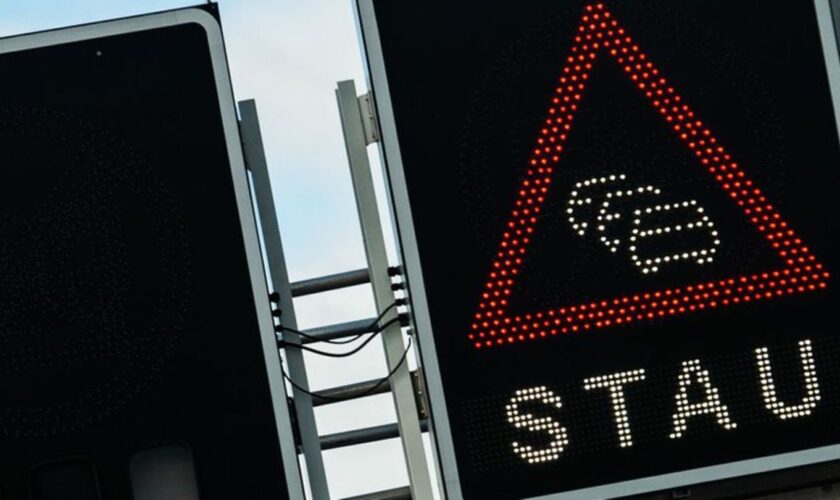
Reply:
x=692, y=373
x=615, y=384
x=559, y=436
x=768, y=387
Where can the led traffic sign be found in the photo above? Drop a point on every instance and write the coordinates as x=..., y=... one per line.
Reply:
x=616, y=223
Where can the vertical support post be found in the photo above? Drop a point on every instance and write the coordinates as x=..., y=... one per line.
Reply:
x=255, y=158
x=402, y=389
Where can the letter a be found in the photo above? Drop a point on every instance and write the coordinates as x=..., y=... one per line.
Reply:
x=693, y=373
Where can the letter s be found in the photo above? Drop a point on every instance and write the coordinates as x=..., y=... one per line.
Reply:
x=560, y=438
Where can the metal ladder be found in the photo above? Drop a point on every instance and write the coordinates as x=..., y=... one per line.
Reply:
x=360, y=130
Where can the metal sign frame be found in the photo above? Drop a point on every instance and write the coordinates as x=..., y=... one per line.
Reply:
x=409, y=253
x=240, y=184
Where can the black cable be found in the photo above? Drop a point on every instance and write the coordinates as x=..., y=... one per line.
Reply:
x=367, y=392
x=340, y=342
x=351, y=352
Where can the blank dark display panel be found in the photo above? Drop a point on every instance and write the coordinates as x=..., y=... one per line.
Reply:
x=128, y=318
x=621, y=216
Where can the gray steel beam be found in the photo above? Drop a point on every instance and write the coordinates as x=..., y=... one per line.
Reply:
x=255, y=158
x=367, y=435
x=331, y=282
x=356, y=141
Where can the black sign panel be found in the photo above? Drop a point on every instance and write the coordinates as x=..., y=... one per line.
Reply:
x=616, y=221
x=130, y=280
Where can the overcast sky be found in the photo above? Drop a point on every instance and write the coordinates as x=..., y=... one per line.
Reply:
x=288, y=55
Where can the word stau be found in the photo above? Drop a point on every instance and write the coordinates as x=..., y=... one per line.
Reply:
x=693, y=378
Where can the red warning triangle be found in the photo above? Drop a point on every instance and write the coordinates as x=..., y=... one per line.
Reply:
x=601, y=34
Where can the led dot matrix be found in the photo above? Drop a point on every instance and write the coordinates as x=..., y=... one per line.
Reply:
x=615, y=384
x=768, y=387
x=696, y=396
x=537, y=424
x=607, y=216
x=600, y=33
x=698, y=255
x=694, y=373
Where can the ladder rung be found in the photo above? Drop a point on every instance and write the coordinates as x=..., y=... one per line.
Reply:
x=403, y=493
x=350, y=391
x=331, y=282
x=362, y=436
x=338, y=331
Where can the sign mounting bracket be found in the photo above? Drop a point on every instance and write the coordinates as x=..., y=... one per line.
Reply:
x=370, y=124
